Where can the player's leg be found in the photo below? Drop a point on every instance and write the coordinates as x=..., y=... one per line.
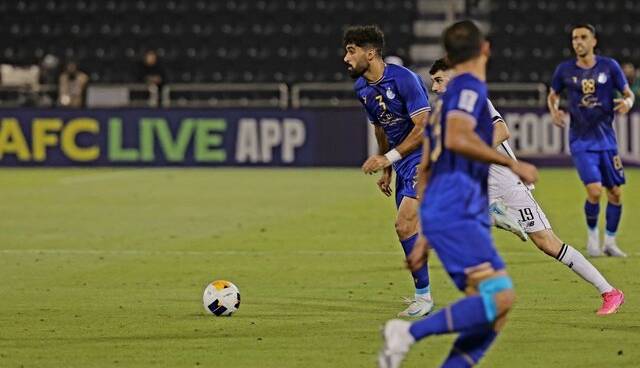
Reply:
x=613, y=214
x=612, y=179
x=549, y=243
x=588, y=166
x=407, y=229
x=489, y=297
x=500, y=216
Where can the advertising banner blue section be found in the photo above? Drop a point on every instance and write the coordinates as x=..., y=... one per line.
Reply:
x=146, y=137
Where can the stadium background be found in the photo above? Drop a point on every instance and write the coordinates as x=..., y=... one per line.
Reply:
x=262, y=82
x=106, y=266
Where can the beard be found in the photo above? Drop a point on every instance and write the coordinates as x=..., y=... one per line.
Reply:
x=356, y=71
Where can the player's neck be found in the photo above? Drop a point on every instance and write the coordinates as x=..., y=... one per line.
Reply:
x=587, y=61
x=475, y=67
x=375, y=72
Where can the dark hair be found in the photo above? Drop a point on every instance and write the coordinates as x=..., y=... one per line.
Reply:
x=365, y=36
x=588, y=26
x=438, y=65
x=462, y=42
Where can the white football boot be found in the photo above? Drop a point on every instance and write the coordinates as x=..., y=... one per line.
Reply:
x=593, y=243
x=397, y=341
x=418, y=307
x=611, y=248
x=502, y=220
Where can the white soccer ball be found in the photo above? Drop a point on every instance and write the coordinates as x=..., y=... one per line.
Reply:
x=221, y=298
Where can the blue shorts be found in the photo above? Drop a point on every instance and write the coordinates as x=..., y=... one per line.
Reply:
x=406, y=185
x=599, y=167
x=463, y=247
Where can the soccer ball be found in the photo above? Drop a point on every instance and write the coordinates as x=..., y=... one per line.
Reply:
x=221, y=298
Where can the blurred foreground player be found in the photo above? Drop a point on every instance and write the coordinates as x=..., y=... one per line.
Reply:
x=396, y=102
x=518, y=201
x=454, y=212
x=591, y=82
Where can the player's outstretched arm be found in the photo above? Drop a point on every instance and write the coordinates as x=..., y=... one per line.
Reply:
x=424, y=169
x=500, y=133
x=461, y=138
x=623, y=105
x=377, y=162
x=553, y=103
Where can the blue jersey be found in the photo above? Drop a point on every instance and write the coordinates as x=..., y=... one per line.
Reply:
x=590, y=93
x=391, y=102
x=457, y=189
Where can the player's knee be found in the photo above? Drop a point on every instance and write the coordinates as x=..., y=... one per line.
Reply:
x=594, y=192
x=497, y=295
x=405, y=228
x=614, y=195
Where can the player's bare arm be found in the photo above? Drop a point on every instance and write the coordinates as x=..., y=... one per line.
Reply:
x=377, y=162
x=623, y=105
x=423, y=169
x=553, y=103
x=500, y=133
x=384, y=183
x=461, y=138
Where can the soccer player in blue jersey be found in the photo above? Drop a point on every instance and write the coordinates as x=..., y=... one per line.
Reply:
x=591, y=82
x=454, y=211
x=518, y=202
x=396, y=102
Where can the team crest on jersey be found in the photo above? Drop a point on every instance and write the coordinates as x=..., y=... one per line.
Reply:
x=602, y=78
x=390, y=94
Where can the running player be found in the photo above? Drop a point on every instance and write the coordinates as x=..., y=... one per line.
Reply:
x=396, y=102
x=454, y=212
x=591, y=82
x=518, y=200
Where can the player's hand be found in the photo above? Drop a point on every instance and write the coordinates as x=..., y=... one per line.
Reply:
x=384, y=183
x=622, y=106
x=527, y=172
x=418, y=256
x=558, y=118
x=375, y=163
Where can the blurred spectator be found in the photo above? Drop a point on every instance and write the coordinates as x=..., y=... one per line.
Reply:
x=393, y=59
x=151, y=72
x=71, y=86
x=49, y=69
x=631, y=73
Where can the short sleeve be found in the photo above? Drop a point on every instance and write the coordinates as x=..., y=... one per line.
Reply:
x=470, y=100
x=619, y=80
x=412, y=91
x=557, y=82
x=495, y=115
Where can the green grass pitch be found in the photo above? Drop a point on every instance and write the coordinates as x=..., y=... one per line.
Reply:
x=106, y=267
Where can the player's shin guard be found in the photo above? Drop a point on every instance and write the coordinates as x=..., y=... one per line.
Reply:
x=591, y=211
x=580, y=265
x=614, y=211
x=469, y=348
x=467, y=314
x=420, y=277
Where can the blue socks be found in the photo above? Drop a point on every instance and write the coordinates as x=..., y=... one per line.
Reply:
x=469, y=348
x=614, y=211
x=420, y=277
x=592, y=210
x=465, y=314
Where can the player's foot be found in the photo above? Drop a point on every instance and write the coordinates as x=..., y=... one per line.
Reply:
x=611, y=248
x=397, y=341
x=593, y=243
x=418, y=307
x=611, y=302
x=502, y=220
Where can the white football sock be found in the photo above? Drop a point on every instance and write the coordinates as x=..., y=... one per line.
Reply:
x=576, y=261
